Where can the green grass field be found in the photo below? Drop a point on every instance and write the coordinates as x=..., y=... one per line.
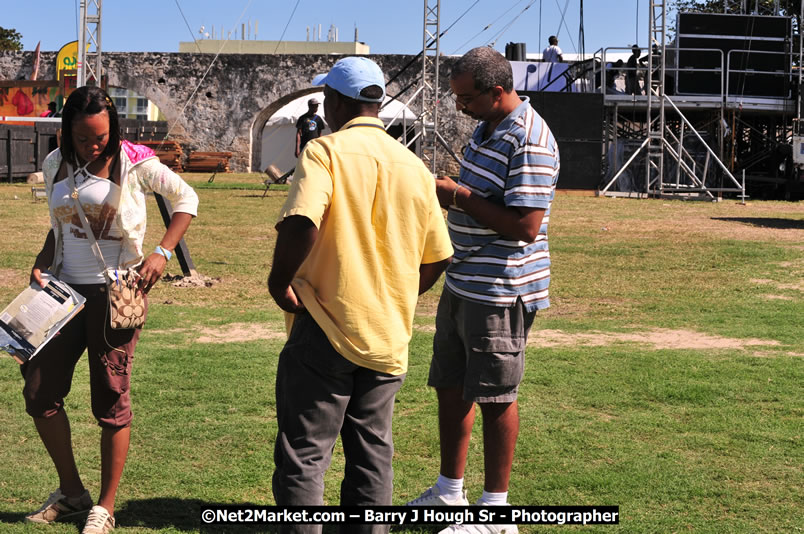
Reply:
x=666, y=378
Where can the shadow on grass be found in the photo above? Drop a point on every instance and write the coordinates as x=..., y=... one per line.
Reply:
x=767, y=222
x=9, y=518
x=184, y=515
x=162, y=512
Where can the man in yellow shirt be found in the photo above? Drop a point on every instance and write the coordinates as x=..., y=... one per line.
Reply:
x=361, y=235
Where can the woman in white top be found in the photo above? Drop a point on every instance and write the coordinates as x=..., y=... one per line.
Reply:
x=112, y=178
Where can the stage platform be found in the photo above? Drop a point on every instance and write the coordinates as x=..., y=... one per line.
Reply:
x=775, y=106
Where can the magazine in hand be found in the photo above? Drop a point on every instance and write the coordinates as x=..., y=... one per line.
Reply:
x=36, y=315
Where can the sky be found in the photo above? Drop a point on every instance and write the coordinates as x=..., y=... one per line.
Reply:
x=387, y=26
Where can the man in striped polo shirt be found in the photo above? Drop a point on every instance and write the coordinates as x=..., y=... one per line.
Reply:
x=498, y=278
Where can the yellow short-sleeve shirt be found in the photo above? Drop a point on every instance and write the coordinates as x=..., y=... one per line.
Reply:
x=378, y=219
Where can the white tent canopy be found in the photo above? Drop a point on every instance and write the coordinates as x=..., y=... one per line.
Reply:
x=279, y=133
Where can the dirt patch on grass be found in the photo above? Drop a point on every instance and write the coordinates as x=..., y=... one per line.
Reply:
x=759, y=225
x=238, y=332
x=10, y=278
x=797, y=286
x=234, y=332
x=660, y=338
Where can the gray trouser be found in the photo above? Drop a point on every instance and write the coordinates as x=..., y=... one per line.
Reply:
x=320, y=394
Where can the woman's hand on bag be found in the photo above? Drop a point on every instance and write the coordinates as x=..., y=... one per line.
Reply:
x=151, y=271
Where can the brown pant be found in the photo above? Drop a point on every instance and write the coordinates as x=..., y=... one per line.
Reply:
x=49, y=375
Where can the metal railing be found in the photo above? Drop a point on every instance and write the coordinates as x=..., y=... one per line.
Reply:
x=725, y=67
x=753, y=72
x=671, y=67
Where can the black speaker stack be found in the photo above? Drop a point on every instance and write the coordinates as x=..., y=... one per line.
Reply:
x=576, y=120
x=756, y=50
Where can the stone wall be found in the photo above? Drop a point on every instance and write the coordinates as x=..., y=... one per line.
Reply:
x=222, y=105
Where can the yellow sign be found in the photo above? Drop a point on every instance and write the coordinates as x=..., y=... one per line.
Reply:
x=67, y=58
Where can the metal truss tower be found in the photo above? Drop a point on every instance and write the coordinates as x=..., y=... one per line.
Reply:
x=428, y=85
x=654, y=88
x=748, y=7
x=89, y=43
x=425, y=99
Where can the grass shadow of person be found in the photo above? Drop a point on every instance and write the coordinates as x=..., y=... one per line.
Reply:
x=184, y=515
x=767, y=222
x=18, y=518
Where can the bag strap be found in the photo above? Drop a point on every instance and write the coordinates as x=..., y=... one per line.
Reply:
x=82, y=217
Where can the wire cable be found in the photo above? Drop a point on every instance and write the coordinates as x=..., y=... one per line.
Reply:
x=412, y=61
x=203, y=77
x=508, y=26
x=564, y=22
x=188, y=26
x=419, y=55
x=459, y=18
x=286, y=26
x=540, y=23
x=487, y=26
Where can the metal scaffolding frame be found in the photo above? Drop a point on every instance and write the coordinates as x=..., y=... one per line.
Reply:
x=748, y=7
x=425, y=98
x=654, y=87
x=659, y=135
x=431, y=48
x=89, y=58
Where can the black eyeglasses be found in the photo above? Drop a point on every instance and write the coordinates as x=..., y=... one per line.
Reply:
x=464, y=101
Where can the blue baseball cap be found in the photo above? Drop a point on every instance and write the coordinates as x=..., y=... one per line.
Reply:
x=351, y=75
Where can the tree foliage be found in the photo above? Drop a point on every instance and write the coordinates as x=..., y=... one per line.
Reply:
x=789, y=8
x=10, y=39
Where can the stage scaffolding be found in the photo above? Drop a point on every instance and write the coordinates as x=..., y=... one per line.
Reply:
x=666, y=131
x=674, y=142
x=89, y=43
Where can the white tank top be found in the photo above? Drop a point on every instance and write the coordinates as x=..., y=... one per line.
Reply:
x=99, y=197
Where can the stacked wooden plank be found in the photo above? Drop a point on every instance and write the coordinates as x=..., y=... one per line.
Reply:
x=168, y=152
x=208, y=162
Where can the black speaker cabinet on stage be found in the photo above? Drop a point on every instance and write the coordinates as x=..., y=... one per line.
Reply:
x=755, y=49
x=576, y=120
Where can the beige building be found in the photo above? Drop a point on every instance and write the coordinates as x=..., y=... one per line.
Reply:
x=243, y=46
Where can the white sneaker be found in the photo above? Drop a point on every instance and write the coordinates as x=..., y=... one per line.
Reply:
x=58, y=506
x=432, y=497
x=99, y=521
x=480, y=529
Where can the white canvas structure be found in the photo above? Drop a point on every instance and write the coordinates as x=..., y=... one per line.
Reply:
x=279, y=133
